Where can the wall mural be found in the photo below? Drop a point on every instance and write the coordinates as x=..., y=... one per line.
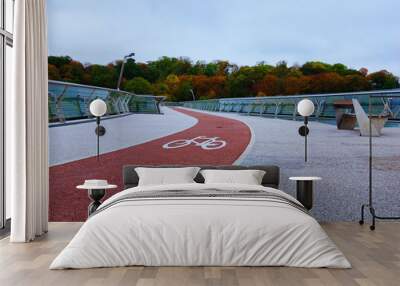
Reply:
x=151, y=130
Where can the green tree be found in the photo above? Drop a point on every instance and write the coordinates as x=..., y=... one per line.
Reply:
x=281, y=69
x=383, y=80
x=211, y=69
x=183, y=92
x=198, y=68
x=138, y=85
x=104, y=76
x=174, y=77
x=339, y=68
x=356, y=82
x=58, y=62
x=240, y=85
x=313, y=68
x=160, y=88
x=166, y=66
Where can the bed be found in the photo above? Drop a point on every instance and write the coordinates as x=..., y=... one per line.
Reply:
x=198, y=224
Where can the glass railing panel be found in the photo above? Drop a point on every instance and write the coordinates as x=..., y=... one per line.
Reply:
x=284, y=106
x=68, y=101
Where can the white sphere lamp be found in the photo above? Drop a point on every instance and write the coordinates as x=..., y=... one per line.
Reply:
x=305, y=107
x=98, y=107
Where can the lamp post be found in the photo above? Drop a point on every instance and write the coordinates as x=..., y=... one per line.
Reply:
x=98, y=108
x=370, y=204
x=122, y=68
x=191, y=91
x=305, y=108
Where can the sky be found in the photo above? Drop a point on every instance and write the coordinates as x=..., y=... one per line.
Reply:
x=358, y=33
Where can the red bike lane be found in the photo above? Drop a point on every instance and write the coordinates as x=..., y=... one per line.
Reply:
x=66, y=203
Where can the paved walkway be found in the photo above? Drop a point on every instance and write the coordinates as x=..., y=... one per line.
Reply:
x=69, y=204
x=77, y=141
x=340, y=157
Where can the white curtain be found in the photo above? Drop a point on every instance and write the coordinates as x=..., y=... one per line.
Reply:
x=27, y=123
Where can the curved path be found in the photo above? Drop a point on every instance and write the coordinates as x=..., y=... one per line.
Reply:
x=121, y=132
x=69, y=204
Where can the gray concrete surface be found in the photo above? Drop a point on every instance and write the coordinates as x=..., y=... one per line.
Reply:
x=340, y=157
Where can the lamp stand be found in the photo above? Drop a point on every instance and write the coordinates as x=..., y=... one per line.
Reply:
x=369, y=205
x=100, y=131
x=98, y=138
x=303, y=131
x=305, y=138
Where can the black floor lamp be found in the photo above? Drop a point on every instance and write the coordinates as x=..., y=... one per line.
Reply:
x=370, y=204
x=98, y=108
x=305, y=108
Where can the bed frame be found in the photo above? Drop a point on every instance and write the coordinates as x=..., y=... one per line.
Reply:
x=271, y=177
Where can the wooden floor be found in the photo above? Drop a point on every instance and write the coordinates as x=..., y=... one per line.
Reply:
x=375, y=257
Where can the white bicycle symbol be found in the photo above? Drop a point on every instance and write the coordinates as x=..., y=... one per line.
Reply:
x=206, y=143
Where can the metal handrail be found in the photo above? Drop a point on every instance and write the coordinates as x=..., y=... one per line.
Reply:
x=285, y=106
x=357, y=93
x=70, y=101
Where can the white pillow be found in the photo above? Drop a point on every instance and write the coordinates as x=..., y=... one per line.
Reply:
x=166, y=176
x=247, y=177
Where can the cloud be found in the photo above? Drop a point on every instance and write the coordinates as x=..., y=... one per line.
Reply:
x=357, y=33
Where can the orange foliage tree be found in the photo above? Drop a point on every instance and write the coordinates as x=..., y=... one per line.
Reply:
x=179, y=78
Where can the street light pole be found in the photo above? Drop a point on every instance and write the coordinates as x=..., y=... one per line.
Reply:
x=122, y=68
x=191, y=91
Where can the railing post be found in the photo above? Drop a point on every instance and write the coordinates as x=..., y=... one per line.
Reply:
x=114, y=103
x=320, y=107
x=87, y=103
x=263, y=108
x=59, y=109
x=157, y=106
x=78, y=104
x=295, y=111
x=127, y=99
x=240, y=108
x=277, y=109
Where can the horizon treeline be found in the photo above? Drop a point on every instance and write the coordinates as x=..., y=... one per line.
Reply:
x=180, y=79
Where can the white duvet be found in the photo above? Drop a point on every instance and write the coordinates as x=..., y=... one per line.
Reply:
x=199, y=231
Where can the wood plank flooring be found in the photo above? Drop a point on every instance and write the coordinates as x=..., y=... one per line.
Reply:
x=375, y=257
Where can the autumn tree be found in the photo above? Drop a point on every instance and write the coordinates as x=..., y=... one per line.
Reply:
x=172, y=81
x=54, y=74
x=160, y=88
x=177, y=78
x=325, y=83
x=293, y=85
x=72, y=72
x=269, y=85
